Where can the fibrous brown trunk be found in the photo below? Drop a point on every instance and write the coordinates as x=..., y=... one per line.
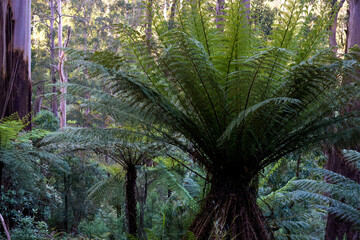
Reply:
x=230, y=211
x=15, y=83
x=130, y=190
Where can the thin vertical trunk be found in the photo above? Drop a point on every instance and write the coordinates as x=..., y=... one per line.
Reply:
x=172, y=14
x=130, y=201
x=142, y=201
x=63, y=78
x=148, y=29
x=62, y=73
x=39, y=97
x=54, y=103
x=15, y=73
x=66, y=203
x=220, y=5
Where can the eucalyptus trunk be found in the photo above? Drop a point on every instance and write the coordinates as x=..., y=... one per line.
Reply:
x=54, y=103
x=335, y=227
x=15, y=72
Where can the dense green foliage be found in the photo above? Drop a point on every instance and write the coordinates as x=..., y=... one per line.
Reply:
x=202, y=108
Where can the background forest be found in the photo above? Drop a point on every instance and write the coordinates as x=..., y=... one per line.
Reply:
x=183, y=119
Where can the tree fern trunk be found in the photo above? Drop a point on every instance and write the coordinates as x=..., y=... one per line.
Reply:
x=230, y=211
x=15, y=83
x=131, y=199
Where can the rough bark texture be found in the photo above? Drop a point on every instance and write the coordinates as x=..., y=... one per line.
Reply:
x=15, y=83
x=230, y=211
x=130, y=189
x=336, y=228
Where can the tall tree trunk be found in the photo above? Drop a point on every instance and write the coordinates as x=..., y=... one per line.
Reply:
x=54, y=103
x=172, y=14
x=63, y=78
x=220, y=4
x=354, y=26
x=148, y=23
x=336, y=228
x=15, y=72
x=230, y=211
x=130, y=190
x=62, y=73
x=336, y=8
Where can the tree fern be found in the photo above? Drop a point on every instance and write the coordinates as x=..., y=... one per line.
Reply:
x=263, y=102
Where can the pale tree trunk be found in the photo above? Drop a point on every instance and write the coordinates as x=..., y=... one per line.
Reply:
x=54, y=103
x=354, y=23
x=336, y=228
x=15, y=44
x=62, y=73
x=220, y=4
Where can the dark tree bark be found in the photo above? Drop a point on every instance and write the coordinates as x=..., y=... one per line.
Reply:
x=230, y=211
x=15, y=43
x=130, y=192
x=15, y=82
x=336, y=228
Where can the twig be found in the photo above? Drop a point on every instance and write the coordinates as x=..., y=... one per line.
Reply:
x=5, y=228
